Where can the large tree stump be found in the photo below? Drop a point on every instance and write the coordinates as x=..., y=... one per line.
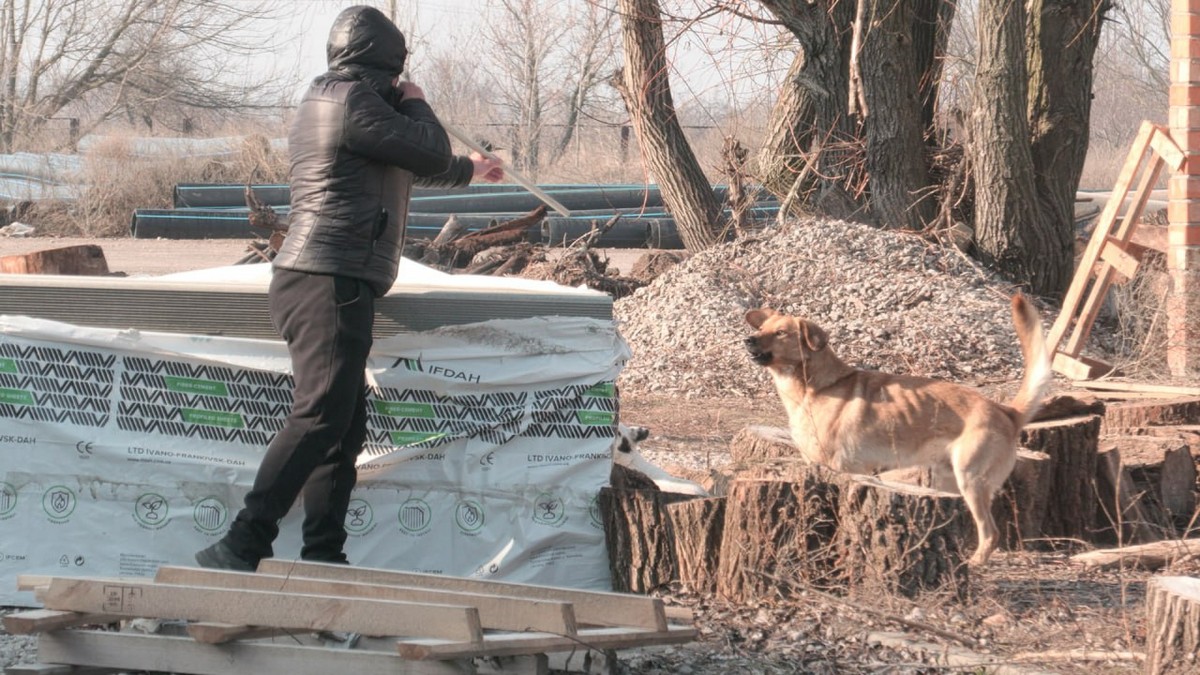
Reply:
x=698, y=526
x=778, y=534
x=1172, y=625
x=84, y=259
x=1072, y=445
x=1125, y=514
x=1157, y=412
x=1163, y=467
x=641, y=552
x=902, y=539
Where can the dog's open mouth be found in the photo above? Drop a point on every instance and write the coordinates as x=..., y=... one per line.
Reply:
x=757, y=354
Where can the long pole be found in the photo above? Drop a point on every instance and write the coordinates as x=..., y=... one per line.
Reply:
x=528, y=184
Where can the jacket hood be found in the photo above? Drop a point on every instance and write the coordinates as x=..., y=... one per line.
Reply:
x=363, y=40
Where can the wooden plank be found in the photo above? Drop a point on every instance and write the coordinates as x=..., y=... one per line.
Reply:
x=597, y=608
x=1167, y=149
x=1104, y=225
x=85, y=259
x=55, y=669
x=511, y=612
x=1141, y=387
x=508, y=644
x=214, y=633
x=40, y=620
x=32, y=582
x=157, y=653
x=128, y=597
x=1113, y=252
x=1075, y=368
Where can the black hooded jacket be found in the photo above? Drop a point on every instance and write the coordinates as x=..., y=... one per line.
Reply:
x=355, y=153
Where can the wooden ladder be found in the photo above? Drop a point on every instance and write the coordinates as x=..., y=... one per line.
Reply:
x=1110, y=256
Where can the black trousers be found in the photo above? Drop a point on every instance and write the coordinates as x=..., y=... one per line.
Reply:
x=326, y=322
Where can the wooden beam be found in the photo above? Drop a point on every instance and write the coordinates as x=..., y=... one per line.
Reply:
x=597, y=608
x=1113, y=252
x=32, y=582
x=508, y=644
x=41, y=620
x=128, y=597
x=214, y=633
x=504, y=612
x=1074, y=367
x=157, y=653
x=1166, y=148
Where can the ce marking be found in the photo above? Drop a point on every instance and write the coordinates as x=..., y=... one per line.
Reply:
x=488, y=459
x=84, y=448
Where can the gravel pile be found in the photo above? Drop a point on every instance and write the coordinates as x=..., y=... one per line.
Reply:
x=889, y=301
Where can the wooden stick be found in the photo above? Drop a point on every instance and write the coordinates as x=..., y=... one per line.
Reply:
x=529, y=185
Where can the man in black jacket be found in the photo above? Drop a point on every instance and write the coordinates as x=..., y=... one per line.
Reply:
x=359, y=141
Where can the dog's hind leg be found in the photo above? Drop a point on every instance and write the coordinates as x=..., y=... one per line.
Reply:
x=980, y=471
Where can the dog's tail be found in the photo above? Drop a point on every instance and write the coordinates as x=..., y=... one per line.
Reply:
x=1037, y=360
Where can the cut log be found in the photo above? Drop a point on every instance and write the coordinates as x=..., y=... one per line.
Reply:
x=778, y=536
x=1072, y=445
x=641, y=552
x=1157, y=412
x=1150, y=556
x=1127, y=513
x=698, y=526
x=84, y=259
x=758, y=442
x=1172, y=625
x=779, y=468
x=902, y=539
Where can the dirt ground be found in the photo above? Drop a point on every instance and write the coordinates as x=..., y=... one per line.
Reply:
x=1029, y=612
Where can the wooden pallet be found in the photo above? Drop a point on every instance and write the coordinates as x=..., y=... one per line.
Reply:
x=270, y=622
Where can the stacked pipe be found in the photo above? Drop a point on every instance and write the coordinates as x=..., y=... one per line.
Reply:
x=216, y=211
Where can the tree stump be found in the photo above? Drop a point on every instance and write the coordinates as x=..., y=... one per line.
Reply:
x=1157, y=412
x=758, y=442
x=84, y=259
x=902, y=539
x=698, y=526
x=1172, y=625
x=1164, y=468
x=1072, y=445
x=637, y=534
x=778, y=534
x=779, y=468
x=1126, y=514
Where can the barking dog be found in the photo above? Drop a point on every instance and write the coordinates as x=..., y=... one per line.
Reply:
x=863, y=421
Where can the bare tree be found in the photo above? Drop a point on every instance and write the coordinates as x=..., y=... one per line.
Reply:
x=593, y=34
x=95, y=59
x=645, y=86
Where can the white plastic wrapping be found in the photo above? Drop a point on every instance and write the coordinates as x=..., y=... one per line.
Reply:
x=487, y=446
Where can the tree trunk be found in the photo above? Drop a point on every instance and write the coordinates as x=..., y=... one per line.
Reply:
x=892, y=126
x=698, y=526
x=1172, y=625
x=1161, y=412
x=1020, y=506
x=758, y=442
x=808, y=155
x=644, y=85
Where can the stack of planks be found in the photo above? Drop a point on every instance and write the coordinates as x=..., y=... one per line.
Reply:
x=280, y=620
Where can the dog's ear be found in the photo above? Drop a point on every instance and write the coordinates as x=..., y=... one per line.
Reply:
x=756, y=317
x=814, y=336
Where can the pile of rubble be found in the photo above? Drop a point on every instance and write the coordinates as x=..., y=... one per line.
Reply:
x=889, y=300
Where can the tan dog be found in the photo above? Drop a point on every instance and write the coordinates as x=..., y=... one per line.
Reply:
x=864, y=421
